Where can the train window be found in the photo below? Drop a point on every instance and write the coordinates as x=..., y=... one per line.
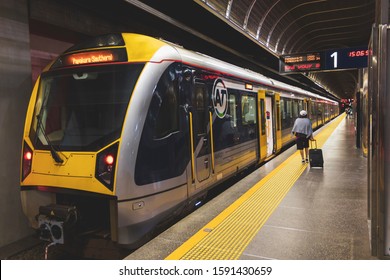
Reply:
x=263, y=121
x=289, y=109
x=300, y=105
x=248, y=109
x=83, y=108
x=167, y=118
x=286, y=111
x=313, y=111
x=282, y=109
x=232, y=110
x=248, y=117
x=199, y=96
x=226, y=131
x=199, y=101
x=295, y=111
x=278, y=116
x=163, y=149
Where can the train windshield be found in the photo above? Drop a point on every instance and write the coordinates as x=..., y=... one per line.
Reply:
x=84, y=108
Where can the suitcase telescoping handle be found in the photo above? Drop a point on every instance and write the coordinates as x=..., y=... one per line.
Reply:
x=311, y=141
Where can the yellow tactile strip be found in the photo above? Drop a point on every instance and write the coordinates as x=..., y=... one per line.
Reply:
x=228, y=234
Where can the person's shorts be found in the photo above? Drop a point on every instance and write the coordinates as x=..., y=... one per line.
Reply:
x=302, y=142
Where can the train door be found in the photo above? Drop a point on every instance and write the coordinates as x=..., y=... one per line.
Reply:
x=306, y=106
x=201, y=122
x=278, y=124
x=262, y=125
x=269, y=125
x=313, y=114
x=320, y=114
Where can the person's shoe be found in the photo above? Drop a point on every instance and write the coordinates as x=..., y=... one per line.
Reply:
x=303, y=161
x=307, y=160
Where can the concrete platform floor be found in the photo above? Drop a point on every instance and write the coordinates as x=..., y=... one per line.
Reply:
x=324, y=215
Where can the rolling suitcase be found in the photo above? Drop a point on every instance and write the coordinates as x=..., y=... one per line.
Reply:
x=315, y=155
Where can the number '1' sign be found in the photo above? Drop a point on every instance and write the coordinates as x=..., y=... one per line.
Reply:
x=335, y=59
x=346, y=58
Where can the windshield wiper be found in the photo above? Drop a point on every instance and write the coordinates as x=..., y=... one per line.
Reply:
x=53, y=151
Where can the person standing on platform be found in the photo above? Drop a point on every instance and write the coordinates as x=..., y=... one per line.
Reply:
x=303, y=132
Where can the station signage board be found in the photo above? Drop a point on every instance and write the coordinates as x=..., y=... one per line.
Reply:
x=346, y=58
x=335, y=59
x=300, y=62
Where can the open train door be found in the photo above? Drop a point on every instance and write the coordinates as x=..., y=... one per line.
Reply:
x=269, y=126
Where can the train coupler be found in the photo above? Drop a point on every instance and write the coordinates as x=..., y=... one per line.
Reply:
x=54, y=221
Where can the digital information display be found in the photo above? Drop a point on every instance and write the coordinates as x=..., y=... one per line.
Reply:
x=346, y=58
x=91, y=57
x=337, y=59
x=300, y=63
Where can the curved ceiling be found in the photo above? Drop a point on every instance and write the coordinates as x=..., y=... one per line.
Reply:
x=254, y=33
x=298, y=26
x=293, y=26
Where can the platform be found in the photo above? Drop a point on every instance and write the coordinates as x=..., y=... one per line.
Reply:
x=283, y=210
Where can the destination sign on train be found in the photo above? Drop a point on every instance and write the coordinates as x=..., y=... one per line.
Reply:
x=335, y=59
x=91, y=57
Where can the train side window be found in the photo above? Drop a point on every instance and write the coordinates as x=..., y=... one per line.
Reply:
x=248, y=109
x=286, y=108
x=300, y=105
x=295, y=109
x=278, y=128
x=282, y=108
x=199, y=100
x=226, y=130
x=263, y=121
x=163, y=149
x=232, y=110
x=165, y=102
x=289, y=109
x=313, y=111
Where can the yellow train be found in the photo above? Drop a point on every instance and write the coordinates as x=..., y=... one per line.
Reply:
x=125, y=131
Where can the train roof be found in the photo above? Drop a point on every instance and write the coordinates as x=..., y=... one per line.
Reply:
x=144, y=48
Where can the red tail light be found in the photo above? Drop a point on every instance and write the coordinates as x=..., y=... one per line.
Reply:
x=28, y=155
x=26, y=161
x=105, y=166
x=109, y=159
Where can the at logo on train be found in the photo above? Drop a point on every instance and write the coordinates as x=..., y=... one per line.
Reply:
x=220, y=98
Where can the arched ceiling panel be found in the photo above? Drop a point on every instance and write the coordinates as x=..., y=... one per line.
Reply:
x=297, y=26
x=277, y=23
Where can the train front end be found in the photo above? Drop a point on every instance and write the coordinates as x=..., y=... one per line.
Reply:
x=72, y=137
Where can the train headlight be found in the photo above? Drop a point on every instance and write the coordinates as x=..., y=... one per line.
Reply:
x=105, y=166
x=26, y=160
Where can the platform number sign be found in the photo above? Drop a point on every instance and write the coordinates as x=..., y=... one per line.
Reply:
x=334, y=56
x=346, y=58
x=336, y=59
